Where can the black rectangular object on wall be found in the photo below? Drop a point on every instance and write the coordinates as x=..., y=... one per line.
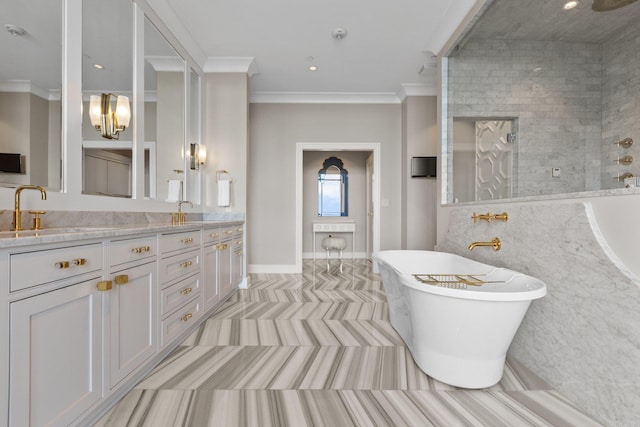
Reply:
x=10, y=163
x=423, y=167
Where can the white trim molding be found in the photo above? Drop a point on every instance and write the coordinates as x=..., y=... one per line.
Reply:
x=231, y=64
x=324, y=98
x=417, y=89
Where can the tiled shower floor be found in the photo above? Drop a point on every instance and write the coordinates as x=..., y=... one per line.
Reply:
x=317, y=349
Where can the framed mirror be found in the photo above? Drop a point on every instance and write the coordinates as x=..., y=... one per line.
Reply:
x=30, y=93
x=107, y=69
x=333, y=188
x=565, y=80
x=165, y=92
x=198, y=158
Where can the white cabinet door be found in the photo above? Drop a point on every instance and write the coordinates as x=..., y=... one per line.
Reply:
x=210, y=269
x=224, y=269
x=132, y=320
x=55, y=355
x=237, y=264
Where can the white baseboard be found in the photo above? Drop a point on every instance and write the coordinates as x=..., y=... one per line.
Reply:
x=271, y=269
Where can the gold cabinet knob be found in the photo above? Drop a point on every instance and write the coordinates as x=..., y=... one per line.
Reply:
x=104, y=285
x=186, y=291
x=141, y=249
x=61, y=265
x=121, y=279
x=187, y=241
x=79, y=261
x=186, y=317
x=186, y=264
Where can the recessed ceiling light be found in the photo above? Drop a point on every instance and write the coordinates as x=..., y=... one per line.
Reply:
x=98, y=66
x=570, y=4
x=313, y=68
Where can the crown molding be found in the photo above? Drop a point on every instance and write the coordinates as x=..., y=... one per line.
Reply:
x=416, y=89
x=231, y=64
x=166, y=63
x=25, y=86
x=324, y=98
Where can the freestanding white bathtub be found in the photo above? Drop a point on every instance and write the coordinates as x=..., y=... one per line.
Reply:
x=460, y=334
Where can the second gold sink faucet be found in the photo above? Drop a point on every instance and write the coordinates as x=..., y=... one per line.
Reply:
x=17, y=214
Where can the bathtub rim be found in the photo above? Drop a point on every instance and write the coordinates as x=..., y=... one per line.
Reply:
x=408, y=280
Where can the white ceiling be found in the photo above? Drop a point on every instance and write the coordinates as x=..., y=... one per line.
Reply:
x=387, y=42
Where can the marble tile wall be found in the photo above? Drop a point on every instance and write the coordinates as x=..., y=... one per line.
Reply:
x=553, y=89
x=620, y=102
x=584, y=336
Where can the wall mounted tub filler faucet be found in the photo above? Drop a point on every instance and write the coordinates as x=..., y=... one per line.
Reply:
x=489, y=217
x=17, y=214
x=496, y=244
x=180, y=217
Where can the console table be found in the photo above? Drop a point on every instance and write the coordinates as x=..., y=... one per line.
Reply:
x=335, y=227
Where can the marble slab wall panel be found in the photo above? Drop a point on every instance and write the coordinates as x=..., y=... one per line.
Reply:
x=553, y=89
x=584, y=336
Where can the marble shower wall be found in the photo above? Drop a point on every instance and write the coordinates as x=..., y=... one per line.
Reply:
x=584, y=336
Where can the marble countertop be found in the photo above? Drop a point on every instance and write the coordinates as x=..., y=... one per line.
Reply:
x=10, y=239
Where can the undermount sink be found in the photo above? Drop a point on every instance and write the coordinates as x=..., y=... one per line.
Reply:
x=52, y=231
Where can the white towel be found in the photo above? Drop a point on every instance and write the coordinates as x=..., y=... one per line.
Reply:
x=223, y=193
x=174, y=192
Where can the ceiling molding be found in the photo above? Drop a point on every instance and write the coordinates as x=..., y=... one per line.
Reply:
x=231, y=64
x=25, y=86
x=166, y=63
x=417, y=89
x=324, y=98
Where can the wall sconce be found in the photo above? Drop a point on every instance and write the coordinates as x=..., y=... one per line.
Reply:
x=105, y=119
x=197, y=156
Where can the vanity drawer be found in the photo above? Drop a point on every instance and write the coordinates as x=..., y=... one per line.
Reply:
x=177, y=322
x=35, y=268
x=177, y=294
x=123, y=251
x=226, y=233
x=181, y=265
x=177, y=241
x=211, y=236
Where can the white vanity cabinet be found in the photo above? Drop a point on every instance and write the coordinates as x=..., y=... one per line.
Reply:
x=225, y=284
x=181, y=278
x=210, y=243
x=85, y=318
x=55, y=334
x=131, y=305
x=237, y=257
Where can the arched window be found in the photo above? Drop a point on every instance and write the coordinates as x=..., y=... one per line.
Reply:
x=332, y=188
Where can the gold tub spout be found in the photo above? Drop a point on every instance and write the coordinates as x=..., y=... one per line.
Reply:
x=17, y=214
x=496, y=244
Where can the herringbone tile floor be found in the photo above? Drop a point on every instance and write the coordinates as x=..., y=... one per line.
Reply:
x=317, y=349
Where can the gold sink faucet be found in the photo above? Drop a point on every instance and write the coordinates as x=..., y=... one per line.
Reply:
x=17, y=214
x=496, y=244
x=180, y=217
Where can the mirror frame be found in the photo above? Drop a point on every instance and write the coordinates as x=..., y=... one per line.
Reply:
x=72, y=150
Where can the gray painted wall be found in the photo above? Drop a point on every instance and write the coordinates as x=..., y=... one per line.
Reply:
x=274, y=131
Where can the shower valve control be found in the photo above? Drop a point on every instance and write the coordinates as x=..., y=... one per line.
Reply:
x=555, y=172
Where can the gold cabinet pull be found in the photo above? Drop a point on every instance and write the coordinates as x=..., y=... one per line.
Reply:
x=214, y=235
x=104, y=285
x=239, y=230
x=239, y=243
x=223, y=246
x=186, y=291
x=61, y=264
x=79, y=261
x=186, y=317
x=229, y=233
x=141, y=249
x=186, y=264
x=238, y=252
x=121, y=279
x=187, y=241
